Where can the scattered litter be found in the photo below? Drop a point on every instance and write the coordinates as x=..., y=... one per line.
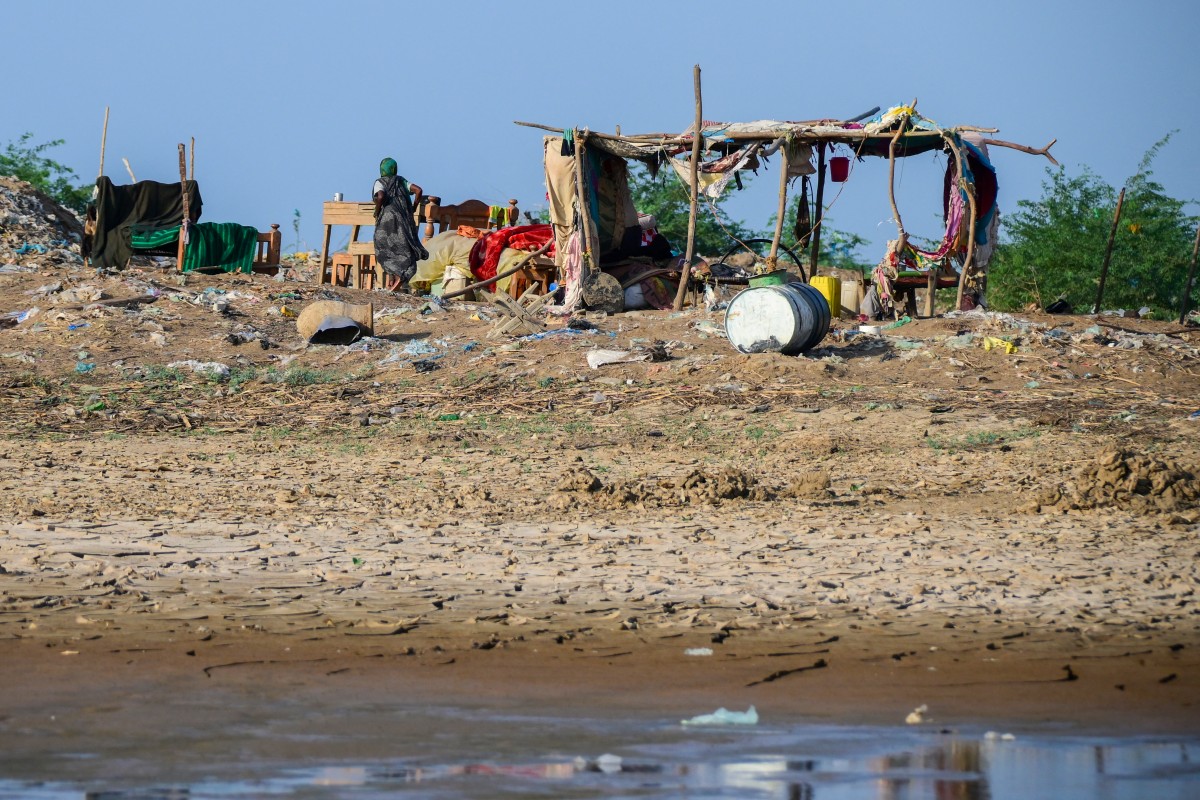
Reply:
x=210, y=369
x=40, y=249
x=84, y=367
x=917, y=715
x=1194, y=416
x=609, y=764
x=426, y=364
x=991, y=342
x=419, y=347
x=698, y=651
x=723, y=716
x=598, y=358
x=993, y=736
x=710, y=328
x=902, y=321
x=960, y=342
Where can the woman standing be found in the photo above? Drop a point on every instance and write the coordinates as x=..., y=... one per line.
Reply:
x=398, y=248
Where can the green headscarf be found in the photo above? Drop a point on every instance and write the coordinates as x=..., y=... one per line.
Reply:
x=387, y=167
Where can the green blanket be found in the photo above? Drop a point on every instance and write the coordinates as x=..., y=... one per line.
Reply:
x=222, y=245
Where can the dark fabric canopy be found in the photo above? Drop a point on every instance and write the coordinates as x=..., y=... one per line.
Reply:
x=146, y=205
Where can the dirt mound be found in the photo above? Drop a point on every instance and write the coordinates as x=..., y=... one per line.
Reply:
x=578, y=487
x=1124, y=479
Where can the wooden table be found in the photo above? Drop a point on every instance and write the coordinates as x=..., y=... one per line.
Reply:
x=357, y=216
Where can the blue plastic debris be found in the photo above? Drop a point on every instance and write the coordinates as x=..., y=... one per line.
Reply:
x=30, y=248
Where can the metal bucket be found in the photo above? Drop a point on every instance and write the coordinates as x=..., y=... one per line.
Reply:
x=789, y=319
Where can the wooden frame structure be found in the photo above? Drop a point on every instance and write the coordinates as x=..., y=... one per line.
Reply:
x=899, y=132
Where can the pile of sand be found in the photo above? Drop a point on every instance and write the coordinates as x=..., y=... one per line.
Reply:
x=1127, y=480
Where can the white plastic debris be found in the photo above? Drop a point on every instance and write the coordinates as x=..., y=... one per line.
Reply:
x=698, y=651
x=212, y=369
x=723, y=716
x=917, y=715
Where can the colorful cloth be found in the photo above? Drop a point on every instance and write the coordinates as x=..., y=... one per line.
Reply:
x=485, y=255
x=398, y=248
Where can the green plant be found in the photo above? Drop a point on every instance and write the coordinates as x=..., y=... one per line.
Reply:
x=301, y=376
x=1053, y=247
x=28, y=163
x=669, y=200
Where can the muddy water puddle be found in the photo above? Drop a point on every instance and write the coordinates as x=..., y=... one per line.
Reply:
x=399, y=751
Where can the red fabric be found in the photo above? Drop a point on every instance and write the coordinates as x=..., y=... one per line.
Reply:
x=485, y=255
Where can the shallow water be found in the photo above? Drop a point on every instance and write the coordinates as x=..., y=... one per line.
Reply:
x=476, y=753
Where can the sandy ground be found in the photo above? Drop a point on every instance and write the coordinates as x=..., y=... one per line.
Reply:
x=879, y=525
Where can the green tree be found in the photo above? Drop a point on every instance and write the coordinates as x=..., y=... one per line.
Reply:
x=28, y=162
x=669, y=201
x=1053, y=247
x=838, y=248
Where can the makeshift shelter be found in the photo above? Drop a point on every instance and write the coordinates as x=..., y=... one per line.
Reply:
x=593, y=217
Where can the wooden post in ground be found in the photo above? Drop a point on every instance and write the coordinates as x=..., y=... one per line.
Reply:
x=815, y=253
x=1187, y=287
x=781, y=209
x=103, y=142
x=192, y=160
x=187, y=211
x=697, y=139
x=1108, y=248
x=960, y=155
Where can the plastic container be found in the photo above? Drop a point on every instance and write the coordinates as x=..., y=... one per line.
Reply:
x=851, y=298
x=776, y=278
x=839, y=169
x=831, y=289
x=789, y=318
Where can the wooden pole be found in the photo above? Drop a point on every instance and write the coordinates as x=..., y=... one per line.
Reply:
x=1108, y=248
x=1187, y=289
x=685, y=274
x=187, y=212
x=960, y=155
x=781, y=209
x=103, y=142
x=591, y=260
x=129, y=169
x=815, y=254
x=498, y=276
x=192, y=159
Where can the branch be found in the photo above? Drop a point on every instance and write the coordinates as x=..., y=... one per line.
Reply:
x=1024, y=148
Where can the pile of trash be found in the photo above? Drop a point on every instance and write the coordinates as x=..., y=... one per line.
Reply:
x=35, y=230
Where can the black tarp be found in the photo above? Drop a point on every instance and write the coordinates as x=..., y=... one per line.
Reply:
x=145, y=205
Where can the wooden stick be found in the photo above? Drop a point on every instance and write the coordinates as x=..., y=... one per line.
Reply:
x=129, y=169
x=1044, y=151
x=1187, y=289
x=1108, y=248
x=781, y=209
x=192, y=159
x=103, y=142
x=960, y=155
x=815, y=253
x=498, y=276
x=183, y=226
x=697, y=140
x=901, y=235
x=591, y=257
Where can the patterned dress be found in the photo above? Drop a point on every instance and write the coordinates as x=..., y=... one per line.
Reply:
x=398, y=247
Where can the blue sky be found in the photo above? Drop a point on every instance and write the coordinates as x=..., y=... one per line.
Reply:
x=290, y=102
